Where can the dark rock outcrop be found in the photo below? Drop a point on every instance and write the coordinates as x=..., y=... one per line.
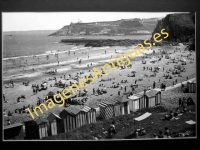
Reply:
x=181, y=28
x=102, y=42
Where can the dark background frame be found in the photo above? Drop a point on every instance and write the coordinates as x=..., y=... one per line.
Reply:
x=108, y=6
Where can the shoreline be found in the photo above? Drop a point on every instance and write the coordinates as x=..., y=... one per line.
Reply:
x=101, y=61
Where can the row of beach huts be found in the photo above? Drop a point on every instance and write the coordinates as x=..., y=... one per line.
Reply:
x=75, y=116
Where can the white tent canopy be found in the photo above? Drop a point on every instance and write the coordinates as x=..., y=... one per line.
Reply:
x=142, y=117
x=190, y=122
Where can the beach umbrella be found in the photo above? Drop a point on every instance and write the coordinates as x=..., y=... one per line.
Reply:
x=50, y=94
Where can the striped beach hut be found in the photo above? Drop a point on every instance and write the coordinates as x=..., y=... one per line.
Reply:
x=36, y=129
x=56, y=124
x=89, y=112
x=13, y=132
x=152, y=97
x=136, y=102
x=110, y=108
x=73, y=118
x=191, y=85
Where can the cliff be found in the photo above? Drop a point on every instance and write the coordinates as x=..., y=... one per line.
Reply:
x=181, y=28
x=119, y=27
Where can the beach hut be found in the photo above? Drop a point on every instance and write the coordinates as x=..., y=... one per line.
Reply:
x=13, y=132
x=136, y=102
x=36, y=129
x=124, y=104
x=56, y=124
x=110, y=108
x=73, y=118
x=89, y=112
x=152, y=97
x=191, y=86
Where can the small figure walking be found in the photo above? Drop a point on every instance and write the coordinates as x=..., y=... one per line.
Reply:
x=4, y=99
x=154, y=85
x=176, y=81
x=93, y=91
x=182, y=85
x=180, y=102
x=118, y=93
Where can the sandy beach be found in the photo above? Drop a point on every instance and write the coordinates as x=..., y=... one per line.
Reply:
x=69, y=64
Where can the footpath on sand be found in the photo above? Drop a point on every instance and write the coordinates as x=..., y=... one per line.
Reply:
x=173, y=86
x=178, y=84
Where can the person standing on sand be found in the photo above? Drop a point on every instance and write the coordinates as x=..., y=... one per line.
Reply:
x=118, y=93
x=135, y=81
x=93, y=91
x=154, y=85
x=180, y=102
x=9, y=122
x=176, y=81
x=34, y=90
x=125, y=88
x=4, y=99
x=182, y=85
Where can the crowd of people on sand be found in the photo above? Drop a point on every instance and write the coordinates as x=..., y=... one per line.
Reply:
x=139, y=132
x=11, y=84
x=102, y=89
x=183, y=103
x=161, y=135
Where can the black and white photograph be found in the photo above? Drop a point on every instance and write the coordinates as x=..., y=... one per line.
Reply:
x=98, y=75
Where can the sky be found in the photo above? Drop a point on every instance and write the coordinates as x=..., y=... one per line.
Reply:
x=25, y=21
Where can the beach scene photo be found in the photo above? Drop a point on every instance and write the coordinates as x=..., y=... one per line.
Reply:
x=98, y=75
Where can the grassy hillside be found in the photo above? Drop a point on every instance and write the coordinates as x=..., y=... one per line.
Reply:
x=111, y=27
